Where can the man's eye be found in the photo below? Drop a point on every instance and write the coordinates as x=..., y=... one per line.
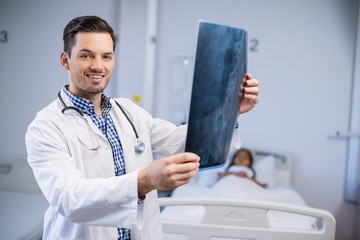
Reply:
x=85, y=56
x=108, y=58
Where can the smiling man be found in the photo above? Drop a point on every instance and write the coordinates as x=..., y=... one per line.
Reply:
x=90, y=62
x=92, y=155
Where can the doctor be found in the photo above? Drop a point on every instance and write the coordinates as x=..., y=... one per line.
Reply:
x=92, y=155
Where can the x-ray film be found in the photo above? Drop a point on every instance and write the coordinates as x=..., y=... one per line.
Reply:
x=220, y=65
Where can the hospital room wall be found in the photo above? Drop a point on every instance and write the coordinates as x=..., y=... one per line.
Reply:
x=302, y=52
x=30, y=70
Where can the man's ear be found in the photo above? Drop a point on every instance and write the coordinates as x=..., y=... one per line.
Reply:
x=64, y=59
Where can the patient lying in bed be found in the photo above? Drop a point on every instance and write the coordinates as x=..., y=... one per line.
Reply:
x=242, y=166
x=243, y=180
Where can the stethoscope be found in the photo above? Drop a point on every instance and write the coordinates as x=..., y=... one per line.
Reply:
x=139, y=145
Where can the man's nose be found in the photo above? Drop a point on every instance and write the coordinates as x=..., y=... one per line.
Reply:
x=96, y=64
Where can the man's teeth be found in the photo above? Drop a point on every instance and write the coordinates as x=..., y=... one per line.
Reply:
x=95, y=76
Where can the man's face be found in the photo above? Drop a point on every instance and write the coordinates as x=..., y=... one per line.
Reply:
x=91, y=64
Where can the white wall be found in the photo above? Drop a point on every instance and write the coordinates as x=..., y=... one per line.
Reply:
x=305, y=64
x=131, y=59
x=30, y=70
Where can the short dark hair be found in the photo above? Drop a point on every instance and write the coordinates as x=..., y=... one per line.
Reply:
x=85, y=24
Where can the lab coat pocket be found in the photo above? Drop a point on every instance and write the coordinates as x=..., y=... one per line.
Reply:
x=87, y=134
x=87, y=137
x=98, y=163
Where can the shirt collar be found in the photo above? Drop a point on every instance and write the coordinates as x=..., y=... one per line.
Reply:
x=87, y=106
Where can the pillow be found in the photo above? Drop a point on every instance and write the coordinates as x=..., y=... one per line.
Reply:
x=265, y=170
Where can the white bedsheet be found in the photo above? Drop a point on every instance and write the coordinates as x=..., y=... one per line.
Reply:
x=240, y=188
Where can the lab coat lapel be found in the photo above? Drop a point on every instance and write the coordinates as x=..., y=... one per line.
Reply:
x=82, y=124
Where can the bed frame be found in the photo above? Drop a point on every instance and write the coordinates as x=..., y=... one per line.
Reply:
x=230, y=219
x=246, y=220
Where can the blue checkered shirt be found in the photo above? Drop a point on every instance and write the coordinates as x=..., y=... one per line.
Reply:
x=107, y=127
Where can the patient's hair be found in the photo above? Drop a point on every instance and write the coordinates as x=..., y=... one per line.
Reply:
x=251, y=158
x=85, y=24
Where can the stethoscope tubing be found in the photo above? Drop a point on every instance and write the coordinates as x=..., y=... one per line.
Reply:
x=127, y=117
x=69, y=107
x=139, y=145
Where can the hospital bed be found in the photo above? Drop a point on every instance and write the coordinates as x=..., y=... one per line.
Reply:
x=235, y=208
x=22, y=205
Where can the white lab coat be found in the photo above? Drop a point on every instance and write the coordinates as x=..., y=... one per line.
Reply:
x=87, y=200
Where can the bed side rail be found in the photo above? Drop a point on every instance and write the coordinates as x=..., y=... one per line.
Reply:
x=244, y=219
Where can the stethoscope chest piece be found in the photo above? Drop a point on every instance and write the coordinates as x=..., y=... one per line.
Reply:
x=139, y=146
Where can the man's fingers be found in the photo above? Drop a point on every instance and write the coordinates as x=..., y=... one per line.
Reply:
x=182, y=178
x=187, y=167
x=251, y=82
x=184, y=158
x=248, y=76
x=252, y=90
